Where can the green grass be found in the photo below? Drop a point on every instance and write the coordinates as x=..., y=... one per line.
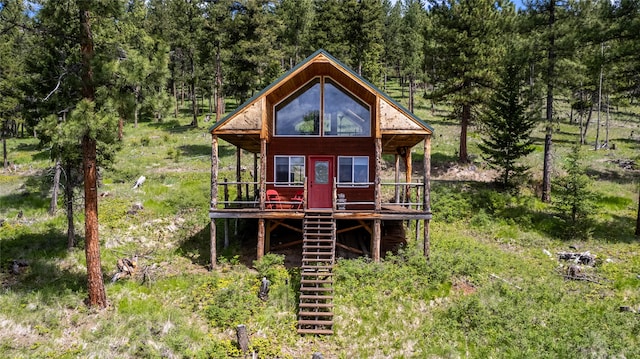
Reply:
x=489, y=289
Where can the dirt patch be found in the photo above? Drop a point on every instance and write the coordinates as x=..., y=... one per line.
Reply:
x=457, y=172
x=463, y=286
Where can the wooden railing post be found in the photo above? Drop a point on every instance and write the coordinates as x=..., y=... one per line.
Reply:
x=214, y=200
x=263, y=173
x=226, y=193
x=427, y=193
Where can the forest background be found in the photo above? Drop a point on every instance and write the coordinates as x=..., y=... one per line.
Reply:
x=130, y=84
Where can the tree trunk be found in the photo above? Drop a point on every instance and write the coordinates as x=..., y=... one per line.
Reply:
x=638, y=217
x=464, y=126
x=54, y=192
x=175, y=97
x=597, y=145
x=546, y=171
x=194, y=100
x=68, y=200
x=219, y=98
x=120, y=128
x=97, y=295
x=586, y=125
x=136, y=106
x=4, y=152
x=606, y=134
x=95, y=285
x=411, y=92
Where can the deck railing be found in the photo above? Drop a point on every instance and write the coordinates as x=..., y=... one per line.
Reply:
x=246, y=194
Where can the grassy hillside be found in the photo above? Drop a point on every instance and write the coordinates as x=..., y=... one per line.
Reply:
x=490, y=289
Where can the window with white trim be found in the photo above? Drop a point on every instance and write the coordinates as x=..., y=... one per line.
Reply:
x=289, y=170
x=353, y=171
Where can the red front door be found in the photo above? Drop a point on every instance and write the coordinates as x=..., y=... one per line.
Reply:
x=320, y=181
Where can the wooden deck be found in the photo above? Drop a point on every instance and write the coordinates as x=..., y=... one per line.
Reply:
x=388, y=212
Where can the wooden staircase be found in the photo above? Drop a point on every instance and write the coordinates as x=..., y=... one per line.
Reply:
x=315, y=315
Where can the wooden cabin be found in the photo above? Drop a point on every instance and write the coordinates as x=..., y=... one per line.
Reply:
x=318, y=135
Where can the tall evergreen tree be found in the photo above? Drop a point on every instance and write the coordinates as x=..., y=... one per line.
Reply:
x=391, y=38
x=184, y=33
x=141, y=72
x=296, y=17
x=329, y=29
x=508, y=126
x=254, y=61
x=551, y=25
x=411, y=42
x=366, y=20
x=466, y=56
x=14, y=42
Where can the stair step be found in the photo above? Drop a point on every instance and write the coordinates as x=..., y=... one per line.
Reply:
x=315, y=297
x=323, y=256
x=315, y=322
x=315, y=260
x=317, y=234
x=315, y=314
x=315, y=331
x=316, y=289
x=315, y=305
x=316, y=274
x=316, y=281
x=309, y=266
x=316, y=246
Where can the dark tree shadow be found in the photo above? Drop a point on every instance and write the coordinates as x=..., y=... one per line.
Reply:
x=172, y=126
x=242, y=243
x=41, y=252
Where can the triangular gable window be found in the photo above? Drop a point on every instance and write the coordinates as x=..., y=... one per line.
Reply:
x=304, y=114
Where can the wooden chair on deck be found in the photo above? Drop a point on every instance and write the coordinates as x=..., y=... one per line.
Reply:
x=274, y=200
x=298, y=198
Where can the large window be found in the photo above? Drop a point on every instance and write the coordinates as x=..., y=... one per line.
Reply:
x=322, y=104
x=299, y=114
x=353, y=171
x=289, y=170
x=344, y=114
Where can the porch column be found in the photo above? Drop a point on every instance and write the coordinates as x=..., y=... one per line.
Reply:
x=261, y=231
x=408, y=169
x=263, y=173
x=427, y=193
x=375, y=249
x=255, y=176
x=214, y=197
x=238, y=173
x=263, y=196
x=397, y=178
x=375, y=242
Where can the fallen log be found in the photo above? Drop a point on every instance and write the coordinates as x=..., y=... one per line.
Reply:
x=584, y=258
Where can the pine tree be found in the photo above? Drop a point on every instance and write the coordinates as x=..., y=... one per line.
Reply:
x=14, y=40
x=296, y=17
x=254, y=61
x=552, y=28
x=508, y=127
x=411, y=43
x=329, y=29
x=141, y=72
x=574, y=200
x=367, y=21
x=466, y=54
x=391, y=38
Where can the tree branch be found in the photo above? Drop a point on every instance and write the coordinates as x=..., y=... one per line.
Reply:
x=56, y=88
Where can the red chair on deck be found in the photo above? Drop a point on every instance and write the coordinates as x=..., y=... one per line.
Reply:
x=274, y=200
x=298, y=199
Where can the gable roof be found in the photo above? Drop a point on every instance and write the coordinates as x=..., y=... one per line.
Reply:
x=249, y=117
